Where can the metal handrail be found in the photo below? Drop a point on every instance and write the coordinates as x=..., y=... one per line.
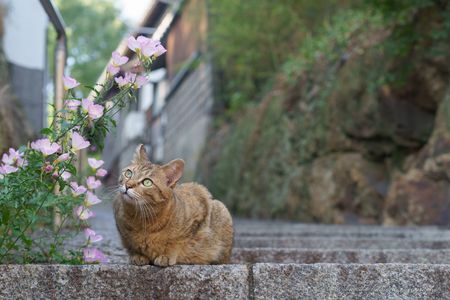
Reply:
x=60, y=51
x=60, y=64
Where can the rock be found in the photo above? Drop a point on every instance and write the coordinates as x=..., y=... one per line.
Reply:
x=414, y=198
x=346, y=188
x=421, y=194
x=332, y=281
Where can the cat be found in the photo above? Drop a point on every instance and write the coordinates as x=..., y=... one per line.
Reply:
x=164, y=223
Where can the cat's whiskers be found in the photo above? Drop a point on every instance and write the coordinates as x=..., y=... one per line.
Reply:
x=142, y=208
x=132, y=195
x=111, y=190
x=145, y=209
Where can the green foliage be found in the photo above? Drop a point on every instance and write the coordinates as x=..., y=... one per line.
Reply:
x=251, y=39
x=332, y=79
x=256, y=161
x=271, y=141
x=94, y=31
x=32, y=194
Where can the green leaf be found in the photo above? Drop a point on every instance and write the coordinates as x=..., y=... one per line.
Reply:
x=6, y=214
x=46, y=131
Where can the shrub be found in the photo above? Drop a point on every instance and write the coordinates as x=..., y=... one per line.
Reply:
x=38, y=182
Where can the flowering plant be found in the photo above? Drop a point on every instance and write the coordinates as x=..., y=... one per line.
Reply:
x=39, y=182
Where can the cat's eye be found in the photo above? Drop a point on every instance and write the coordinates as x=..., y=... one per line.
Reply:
x=147, y=182
x=128, y=173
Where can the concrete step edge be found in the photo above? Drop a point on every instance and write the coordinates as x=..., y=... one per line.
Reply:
x=258, y=281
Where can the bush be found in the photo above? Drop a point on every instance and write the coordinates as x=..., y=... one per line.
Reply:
x=39, y=184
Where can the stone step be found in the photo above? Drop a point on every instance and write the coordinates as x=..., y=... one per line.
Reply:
x=311, y=256
x=339, y=243
x=259, y=281
x=350, y=281
x=123, y=282
x=304, y=230
x=305, y=256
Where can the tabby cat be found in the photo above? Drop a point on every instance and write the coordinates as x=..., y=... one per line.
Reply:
x=165, y=223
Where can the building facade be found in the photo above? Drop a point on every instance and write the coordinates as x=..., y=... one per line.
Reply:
x=173, y=112
x=25, y=46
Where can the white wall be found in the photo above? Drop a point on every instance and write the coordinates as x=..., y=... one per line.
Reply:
x=25, y=33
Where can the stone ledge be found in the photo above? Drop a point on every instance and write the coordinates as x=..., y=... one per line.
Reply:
x=361, y=256
x=339, y=243
x=123, y=282
x=322, y=230
x=259, y=281
x=333, y=281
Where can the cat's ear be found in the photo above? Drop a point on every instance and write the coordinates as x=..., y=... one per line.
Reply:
x=173, y=171
x=140, y=156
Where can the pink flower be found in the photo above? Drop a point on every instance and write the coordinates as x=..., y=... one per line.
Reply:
x=91, y=199
x=118, y=60
x=85, y=103
x=45, y=146
x=133, y=44
x=92, y=236
x=148, y=47
x=95, y=111
x=121, y=81
x=93, y=183
x=6, y=159
x=140, y=81
x=22, y=162
x=130, y=78
x=113, y=70
x=14, y=157
x=48, y=168
x=101, y=173
x=83, y=213
x=159, y=50
x=72, y=104
x=95, y=164
x=77, y=190
x=70, y=83
x=62, y=157
x=65, y=175
x=78, y=142
x=7, y=169
x=93, y=255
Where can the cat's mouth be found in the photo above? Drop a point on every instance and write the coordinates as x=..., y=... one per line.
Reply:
x=127, y=195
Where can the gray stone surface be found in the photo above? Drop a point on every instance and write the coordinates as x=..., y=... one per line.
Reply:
x=392, y=263
x=278, y=228
x=340, y=243
x=352, y=281
x=321, y=242
x=308, y=256
x=123, y=282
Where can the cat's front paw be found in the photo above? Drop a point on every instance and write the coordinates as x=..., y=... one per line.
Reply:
x=139, y=260
x=164, y=261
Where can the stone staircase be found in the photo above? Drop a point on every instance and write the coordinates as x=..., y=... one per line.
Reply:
x=271, y=260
